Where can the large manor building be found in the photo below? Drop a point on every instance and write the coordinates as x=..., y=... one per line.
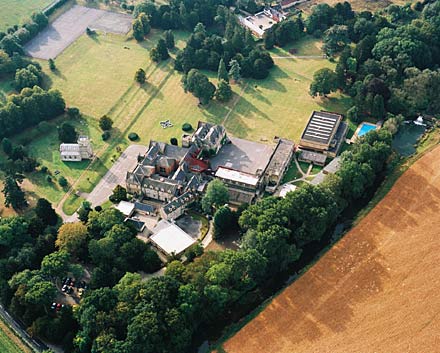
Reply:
x=176, y=176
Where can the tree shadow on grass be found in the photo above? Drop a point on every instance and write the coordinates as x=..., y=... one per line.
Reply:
x=253, y=89
x=339, y=104
x=151, y=90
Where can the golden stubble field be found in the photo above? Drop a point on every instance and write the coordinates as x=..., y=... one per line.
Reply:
x=377, y=290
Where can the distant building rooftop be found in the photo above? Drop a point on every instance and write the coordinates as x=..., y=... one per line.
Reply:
x=244, y=156
x=169, y=238
x=281, y=155
x=333, y=166
x=313, y=157
x=236, y=176
x=126, y=208
x=143, y=207
x=286, y=189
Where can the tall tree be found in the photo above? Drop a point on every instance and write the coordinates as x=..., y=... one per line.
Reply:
x=140, y=76
x=223, y=92
x=222, y=73
x=216, y=195
x=105, y=123
x=199, y=85
x=235, y=69
x=324, y=82
x=378, y=108
x=67, y=133
x=45, y=212
x=169, y=39
x=7, y=146
x=14, y=196
x=72, y=237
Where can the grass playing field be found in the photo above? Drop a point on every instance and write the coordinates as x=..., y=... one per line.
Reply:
x=9, y=343
x=96, y=74
x=14, y=12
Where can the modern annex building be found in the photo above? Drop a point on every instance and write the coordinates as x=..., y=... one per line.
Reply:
x=325, y=132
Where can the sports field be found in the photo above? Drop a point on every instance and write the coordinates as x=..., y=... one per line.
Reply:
x=376, y=290
x=14, y=12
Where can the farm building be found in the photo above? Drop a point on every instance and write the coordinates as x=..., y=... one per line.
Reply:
x=170, y=239
x=76, y=152
x=325, y=133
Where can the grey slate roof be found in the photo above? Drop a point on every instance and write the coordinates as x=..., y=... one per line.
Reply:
x=282, y=151
x=178, y=202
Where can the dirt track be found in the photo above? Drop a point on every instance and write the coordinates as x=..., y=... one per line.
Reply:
x=377, y=290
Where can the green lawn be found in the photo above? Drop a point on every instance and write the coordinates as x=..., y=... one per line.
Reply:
x=17, y=11
x=306, y=46
x=96, y=75
x=44, y=145
x=292, y=173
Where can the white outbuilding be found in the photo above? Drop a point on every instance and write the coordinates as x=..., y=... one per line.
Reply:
x=170, y=239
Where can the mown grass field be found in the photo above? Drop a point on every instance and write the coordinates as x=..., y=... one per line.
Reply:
x=9, y=343
x=17, y=11
x=96, y=74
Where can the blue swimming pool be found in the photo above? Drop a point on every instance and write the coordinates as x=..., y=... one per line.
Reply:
x=366, y=128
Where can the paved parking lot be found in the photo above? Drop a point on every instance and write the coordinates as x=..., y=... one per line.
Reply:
x=116, y=175
x=58, y=35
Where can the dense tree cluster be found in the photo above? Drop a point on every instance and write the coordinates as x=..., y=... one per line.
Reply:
x=393, y=66
x=179, y=14
x=29, y=108
x=160, y=51
x=12, y=41
x=205, y=51
x=199, y=85
x=284, y=32
x=31, y=266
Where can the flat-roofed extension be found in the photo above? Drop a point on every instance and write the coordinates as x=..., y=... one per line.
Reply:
x=321, y=127
x=236, y=176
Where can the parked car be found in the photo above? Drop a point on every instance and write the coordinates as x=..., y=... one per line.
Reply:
x=53, y=306
x=65, y=288
x=81, y=292
x=59, y=306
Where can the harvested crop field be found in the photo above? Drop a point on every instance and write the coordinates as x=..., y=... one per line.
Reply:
x=376, y=290
x=69, y=26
